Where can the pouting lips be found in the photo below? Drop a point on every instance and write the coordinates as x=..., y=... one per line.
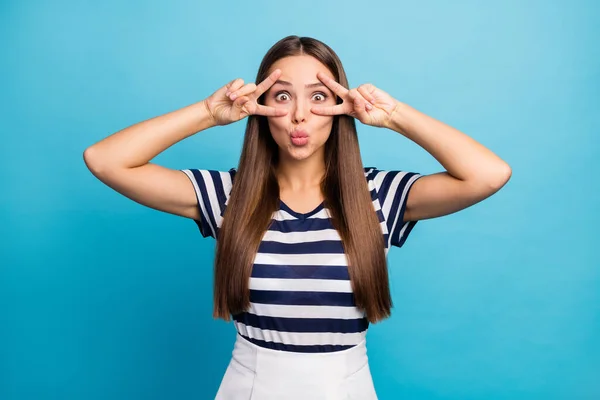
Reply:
x=299, y=137
x=299, y=134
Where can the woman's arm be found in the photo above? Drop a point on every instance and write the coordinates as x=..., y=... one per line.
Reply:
x=122, y=160
x=472, y=174
x=136, y=145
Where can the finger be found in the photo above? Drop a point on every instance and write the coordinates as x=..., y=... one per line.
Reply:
x=365, y=91
x=330, y=110
x=267, y=83
x=245, y=105
x=270, y=111
x=240, y=101
x=234, y=85
x=230, y=83
x=332, y=84
x=244, y=90
x=360, y=107
x=359, y=102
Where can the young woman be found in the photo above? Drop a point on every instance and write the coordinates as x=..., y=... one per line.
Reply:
x=303, y=227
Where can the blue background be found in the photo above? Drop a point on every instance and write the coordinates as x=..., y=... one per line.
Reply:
x=102, y=298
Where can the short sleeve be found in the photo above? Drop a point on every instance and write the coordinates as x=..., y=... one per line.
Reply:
x=392, y=189
x=212, y=193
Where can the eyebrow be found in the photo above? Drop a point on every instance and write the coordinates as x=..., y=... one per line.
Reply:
x=310, y=85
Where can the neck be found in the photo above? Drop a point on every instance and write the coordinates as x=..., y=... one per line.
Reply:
x=299, y=175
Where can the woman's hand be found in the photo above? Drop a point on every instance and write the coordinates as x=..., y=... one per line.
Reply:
x=368, y=104
x=235, y=101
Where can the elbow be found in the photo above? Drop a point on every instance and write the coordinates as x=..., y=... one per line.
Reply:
x=93, y=160
x=500, y=177
x=88, y=155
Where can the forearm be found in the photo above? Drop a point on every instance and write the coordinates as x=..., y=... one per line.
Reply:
x=136, y=145
x=461, y=156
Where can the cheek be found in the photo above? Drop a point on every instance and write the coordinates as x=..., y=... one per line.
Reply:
x=275, y=125
x=324, y=125
x=278, y=130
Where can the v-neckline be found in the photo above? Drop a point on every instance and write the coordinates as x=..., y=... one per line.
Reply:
x=285, y=207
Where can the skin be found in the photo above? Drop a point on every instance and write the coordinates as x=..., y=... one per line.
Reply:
x=298, y=101
x=288, y=105
x=472, y=172
x=300, y=167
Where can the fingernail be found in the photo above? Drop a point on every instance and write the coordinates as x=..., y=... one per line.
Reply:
x=227, y=94
x=233, y=96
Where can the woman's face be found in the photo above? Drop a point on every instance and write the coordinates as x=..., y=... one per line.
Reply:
x=300, y=134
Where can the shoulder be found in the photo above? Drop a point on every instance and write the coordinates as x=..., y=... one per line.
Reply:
x=213, y=174
x=208, y=181
x=379, y=177
x=390, y=184
x=371, y=174
x=375, y=176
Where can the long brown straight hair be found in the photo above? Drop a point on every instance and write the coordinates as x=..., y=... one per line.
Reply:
x=255, y=197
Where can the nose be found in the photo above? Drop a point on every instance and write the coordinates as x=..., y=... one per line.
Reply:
x=299, y=113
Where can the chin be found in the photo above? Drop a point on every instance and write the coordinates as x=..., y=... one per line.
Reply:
x=298, y=154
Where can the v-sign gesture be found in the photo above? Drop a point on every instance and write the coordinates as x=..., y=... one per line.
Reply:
x=368, y=104
x=235, y=101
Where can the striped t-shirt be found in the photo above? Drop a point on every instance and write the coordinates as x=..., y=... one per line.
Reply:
x=300, y=294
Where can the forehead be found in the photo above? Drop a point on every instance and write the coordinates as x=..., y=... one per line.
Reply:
x=300, y=69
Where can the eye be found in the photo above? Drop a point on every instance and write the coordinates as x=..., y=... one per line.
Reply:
x=322, y=95
x=279, y=98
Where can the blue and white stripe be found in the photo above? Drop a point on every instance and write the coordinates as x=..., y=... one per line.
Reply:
x=301, y=298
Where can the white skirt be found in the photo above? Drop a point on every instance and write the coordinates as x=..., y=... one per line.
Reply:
x=258, y=373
